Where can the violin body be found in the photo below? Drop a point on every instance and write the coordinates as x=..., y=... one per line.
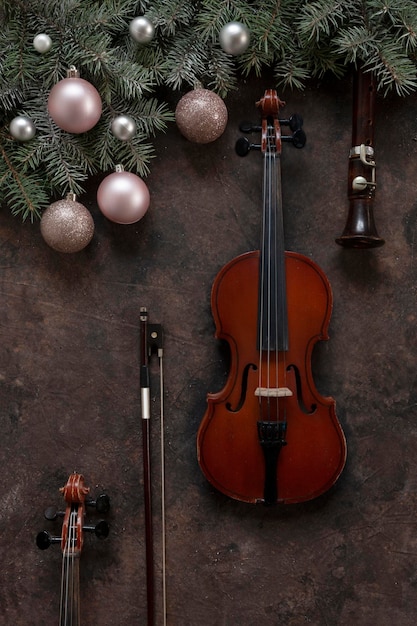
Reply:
x=229, y=451
x=269, y=436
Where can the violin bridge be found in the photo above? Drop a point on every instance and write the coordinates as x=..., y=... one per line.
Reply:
x=273, y=392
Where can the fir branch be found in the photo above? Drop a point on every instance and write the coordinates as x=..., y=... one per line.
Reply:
x=221, y=76
x=297, y=39
x=355, y=42
x=393, y=69
x=185, y=62
x=320, y=18
x=24, y=193
x=169, y=16
x=291, y=74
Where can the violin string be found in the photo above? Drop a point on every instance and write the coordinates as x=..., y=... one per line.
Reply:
x=282, y=293
x=73, y=580
x=272, y=379
x=63, y=600
x=65, y=575
x=275, y=289
x=269, y=282
x=70, y=569
x=64, y=584
x=262, y=279
x=277, y=264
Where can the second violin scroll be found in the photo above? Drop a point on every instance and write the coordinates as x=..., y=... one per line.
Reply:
x=76, y=496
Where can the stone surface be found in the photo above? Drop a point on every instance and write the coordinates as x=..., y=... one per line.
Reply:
x=70, y=397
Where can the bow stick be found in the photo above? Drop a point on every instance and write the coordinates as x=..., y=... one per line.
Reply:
x=151, y=341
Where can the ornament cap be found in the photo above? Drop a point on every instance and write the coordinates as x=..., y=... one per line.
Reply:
x=119, y=168
x=72, y=72
x=71, y=197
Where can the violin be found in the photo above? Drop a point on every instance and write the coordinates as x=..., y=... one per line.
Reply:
x=268, y=436
x=73, y=527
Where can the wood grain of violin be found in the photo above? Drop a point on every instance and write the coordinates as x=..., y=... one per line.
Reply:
x=268, y=436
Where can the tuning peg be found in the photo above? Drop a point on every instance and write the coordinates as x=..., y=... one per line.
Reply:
x=295, y=121
x=248, y=127
x=45, y=539
x=101, y=503
x=101, y=529
x=243, y=146
x=299, y=138
x=52, y=514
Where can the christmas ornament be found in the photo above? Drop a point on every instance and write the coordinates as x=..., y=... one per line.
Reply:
x=201, y=116
x=74, y=104
x=123, y=197
x=234, y=38
x=22, y=128
x=141, y=29
x=66, y=225
x=123, y=127
x=42, y=43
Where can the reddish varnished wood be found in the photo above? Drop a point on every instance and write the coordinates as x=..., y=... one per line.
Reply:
x=228, y=446
x=229, y=449
x=74, y=493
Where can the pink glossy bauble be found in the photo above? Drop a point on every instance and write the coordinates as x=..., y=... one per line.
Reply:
x=123, y=197
x=75, y=105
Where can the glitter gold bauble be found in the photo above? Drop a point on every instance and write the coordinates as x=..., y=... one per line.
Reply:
x=201, y=116
x=74, y=104
x=67, y=226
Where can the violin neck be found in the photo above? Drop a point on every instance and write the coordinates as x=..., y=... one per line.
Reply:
x=272, y=313
x=70, y=591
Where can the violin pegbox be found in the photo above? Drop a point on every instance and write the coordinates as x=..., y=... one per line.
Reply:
x=270, y=106
x=76, y=496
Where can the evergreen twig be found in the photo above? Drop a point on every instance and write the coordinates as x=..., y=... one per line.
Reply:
x=297, y=39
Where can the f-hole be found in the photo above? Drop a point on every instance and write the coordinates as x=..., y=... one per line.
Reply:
x=244, y=389
x=300, y=399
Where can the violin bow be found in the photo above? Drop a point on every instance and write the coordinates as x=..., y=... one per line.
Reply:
x=151, y=342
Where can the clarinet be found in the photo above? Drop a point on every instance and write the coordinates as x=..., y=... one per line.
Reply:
x=360, y=230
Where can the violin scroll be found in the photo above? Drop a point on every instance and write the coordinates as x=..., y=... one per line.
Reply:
x=270, y=107
x=75, y=493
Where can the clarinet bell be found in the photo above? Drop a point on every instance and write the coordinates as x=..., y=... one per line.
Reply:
x=360, y=230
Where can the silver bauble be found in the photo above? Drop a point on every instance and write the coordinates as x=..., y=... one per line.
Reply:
x=22, y=128
x=141, y=29
x=123, y=127
x=42, y=43
x=234, y=38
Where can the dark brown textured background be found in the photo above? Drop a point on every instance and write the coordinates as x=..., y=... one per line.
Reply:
x=70, y=397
